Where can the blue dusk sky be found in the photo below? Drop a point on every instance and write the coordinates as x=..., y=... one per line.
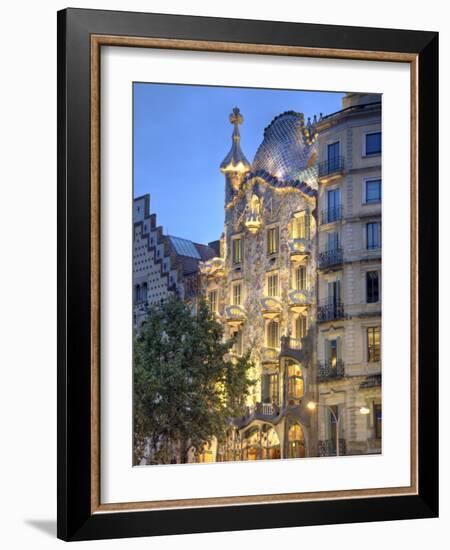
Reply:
x=182, y=134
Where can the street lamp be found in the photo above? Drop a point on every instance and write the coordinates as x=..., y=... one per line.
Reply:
x=312, y=406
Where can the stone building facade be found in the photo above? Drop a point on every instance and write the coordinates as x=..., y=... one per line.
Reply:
x=163, y=264
x=296, y=277
x=349, y=274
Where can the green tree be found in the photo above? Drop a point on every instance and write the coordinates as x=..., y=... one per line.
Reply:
x=187, y=388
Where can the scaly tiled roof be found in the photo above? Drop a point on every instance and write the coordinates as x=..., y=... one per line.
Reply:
x=288, y=149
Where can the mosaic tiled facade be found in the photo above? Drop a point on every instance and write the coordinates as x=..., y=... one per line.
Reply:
x=297, y=277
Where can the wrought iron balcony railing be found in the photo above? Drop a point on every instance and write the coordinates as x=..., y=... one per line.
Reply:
x=261, y=411
x=330, y=258
x=330, y=369
x=333, y=214
x=330, y=311
x=327, y=447
x=331, y=166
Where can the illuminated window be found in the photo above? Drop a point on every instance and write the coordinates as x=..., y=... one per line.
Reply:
x=272, y=240
x=251, y=444
x=295, y=389
x=372, y=287
x=300, y=326
x=270, y=388
x=333, y=351
x=206, y=455
x=237, y=250
x=236, y=294
x=213, y=301
x=272, y=285
x=296, y=442
x=300, y=278
x=273, y=388
x=373, y=344
x=300, y=226
x=273, y=339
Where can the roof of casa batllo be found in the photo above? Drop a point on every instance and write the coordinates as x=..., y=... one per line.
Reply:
x=286, y=158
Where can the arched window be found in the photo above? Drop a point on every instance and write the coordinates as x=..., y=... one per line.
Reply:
x=295, y=384
x=270, y=443
x=144, y=292
x=296, y=441
x=137, y=293
x=273, y=337
x=251, y=444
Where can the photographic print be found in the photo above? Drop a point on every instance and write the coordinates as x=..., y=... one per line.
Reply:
x=257, y=274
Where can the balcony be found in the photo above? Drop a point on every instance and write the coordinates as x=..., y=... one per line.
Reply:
x=269, y=355
x=330, y=258
x=215, y=267
x=331, y=215
x=292, y=347
x=299, y=249
x=270, y=307
x=331, y=169
x=330, y=311
x=330, y=370
x=234, y=315
x=259, y=411
x=327, y=447
x=300, y=300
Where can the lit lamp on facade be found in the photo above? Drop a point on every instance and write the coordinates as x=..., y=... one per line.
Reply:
x=312, y=405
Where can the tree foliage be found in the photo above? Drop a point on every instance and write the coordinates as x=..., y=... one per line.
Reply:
x=187, y=388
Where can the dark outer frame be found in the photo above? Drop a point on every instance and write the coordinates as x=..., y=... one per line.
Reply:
x=76, y=520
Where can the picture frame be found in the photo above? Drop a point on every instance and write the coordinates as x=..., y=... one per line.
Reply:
x=81, y=35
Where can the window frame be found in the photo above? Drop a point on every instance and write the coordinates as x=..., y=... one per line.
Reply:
x=370, y=271
x=234, y=286
x=364, y=191
x=276, y=230
x=213, y=291
x=273, y=322
x=297, y=270
x=371, y=132
x=269, y=276
x=373, y=350
x=377, y=223
x=233, y=257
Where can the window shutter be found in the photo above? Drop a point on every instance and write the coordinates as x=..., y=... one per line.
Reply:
x=327, y=350
x=265, y=387
x=307, y=225
x=330, y=292
x=338, y=347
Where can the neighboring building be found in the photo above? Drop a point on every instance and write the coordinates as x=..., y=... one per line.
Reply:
x=349, y=274
x=296, y=276
x=162, y=264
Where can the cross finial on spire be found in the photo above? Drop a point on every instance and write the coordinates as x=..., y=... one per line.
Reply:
x=235, y=161
x=236, y=117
